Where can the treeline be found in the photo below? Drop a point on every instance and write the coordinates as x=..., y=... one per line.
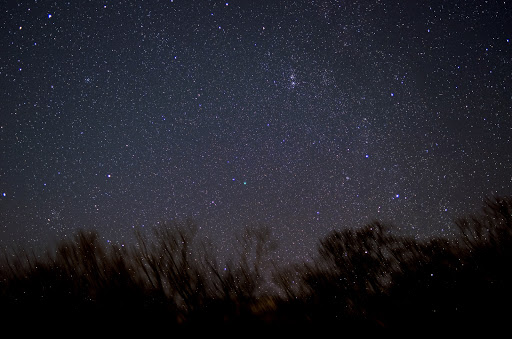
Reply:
x=366, y=278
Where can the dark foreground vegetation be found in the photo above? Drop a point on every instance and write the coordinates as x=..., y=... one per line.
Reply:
x=366, y=278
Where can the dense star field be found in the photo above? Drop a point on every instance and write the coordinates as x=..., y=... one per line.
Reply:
x=303, y=116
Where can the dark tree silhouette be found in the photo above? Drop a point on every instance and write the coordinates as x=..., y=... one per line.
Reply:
x=365, y=278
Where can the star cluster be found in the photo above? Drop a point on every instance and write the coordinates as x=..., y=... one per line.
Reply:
x=303, y=116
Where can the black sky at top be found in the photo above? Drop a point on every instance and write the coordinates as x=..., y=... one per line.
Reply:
x=303, y=116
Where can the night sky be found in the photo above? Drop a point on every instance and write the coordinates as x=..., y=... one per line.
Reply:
x=303, y=116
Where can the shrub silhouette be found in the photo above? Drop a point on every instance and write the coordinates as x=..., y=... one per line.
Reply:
x=366, y=278
x=462, y=282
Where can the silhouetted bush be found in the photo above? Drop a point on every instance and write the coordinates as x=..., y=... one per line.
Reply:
x=366, y=278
